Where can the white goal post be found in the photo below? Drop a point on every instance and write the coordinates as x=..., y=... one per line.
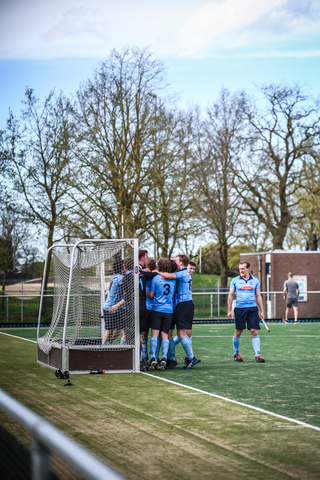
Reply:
x=83, y=336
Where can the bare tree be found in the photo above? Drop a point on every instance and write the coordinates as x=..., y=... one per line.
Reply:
x=171, y=197
x=39, y=155
x=114, y=145
x=284, y=132
x=12, y=234
x=220, y=145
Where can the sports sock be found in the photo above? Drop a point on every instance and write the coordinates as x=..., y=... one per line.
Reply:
x=176, y=340
x=153, y=346
x=256, y=345
x=236, y=345
x=172, y=349
x=185, y=342
x=158, y=347
x=165, y=348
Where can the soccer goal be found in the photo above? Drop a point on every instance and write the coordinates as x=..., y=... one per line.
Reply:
x=83, y=336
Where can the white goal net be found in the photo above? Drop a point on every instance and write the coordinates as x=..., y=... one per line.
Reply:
x=90, y=277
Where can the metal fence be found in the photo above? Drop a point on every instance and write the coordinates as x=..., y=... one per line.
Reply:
x=47, y=439
x=22, y=306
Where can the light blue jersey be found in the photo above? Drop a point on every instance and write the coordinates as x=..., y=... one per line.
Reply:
x=115, y=292
x=163, y=291
x=245, y=291
x=184, y=286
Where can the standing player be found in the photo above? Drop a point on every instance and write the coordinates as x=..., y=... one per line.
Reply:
x=291, y=292
x=183, y=313
x=114, y=321
x=162, y=291
x=247, y=289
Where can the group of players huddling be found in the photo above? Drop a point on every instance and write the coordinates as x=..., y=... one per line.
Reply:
x=165, y=303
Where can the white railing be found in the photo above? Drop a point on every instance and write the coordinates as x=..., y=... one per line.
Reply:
x=46, y=439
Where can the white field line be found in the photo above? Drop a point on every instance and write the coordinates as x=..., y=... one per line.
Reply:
x=20, y=338
x=261, y=410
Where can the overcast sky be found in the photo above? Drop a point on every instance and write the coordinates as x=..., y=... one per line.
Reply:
x=206, y=45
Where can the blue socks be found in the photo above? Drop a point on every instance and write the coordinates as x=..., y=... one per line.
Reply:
x=236, y=345
x=164, y=348
x=153, y=347
x=186, y=343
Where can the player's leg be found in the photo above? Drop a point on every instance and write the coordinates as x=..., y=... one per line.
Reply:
x=253, y=323
x=286, y=315
x=240, y=321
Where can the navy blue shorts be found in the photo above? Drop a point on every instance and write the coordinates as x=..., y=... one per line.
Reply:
x=161, y=321
x=144, y=318
x=249, y=315
x=183, y=315
x=116, y=320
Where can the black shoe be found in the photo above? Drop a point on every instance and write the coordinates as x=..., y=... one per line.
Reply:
x=153, y=364
x=171, y=364
x=144, y=365
x=191, y=363
x=162, y=365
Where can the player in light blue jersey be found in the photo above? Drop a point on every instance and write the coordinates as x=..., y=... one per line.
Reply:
x=248, y=310
x=114, y=317
x=184, y=311
x=161, y=291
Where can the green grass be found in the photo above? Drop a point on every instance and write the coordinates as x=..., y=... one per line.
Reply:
x=202, y=280
x=135, y=421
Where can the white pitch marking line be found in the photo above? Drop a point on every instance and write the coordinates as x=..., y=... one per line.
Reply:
x=261, y=410
x=20, y=338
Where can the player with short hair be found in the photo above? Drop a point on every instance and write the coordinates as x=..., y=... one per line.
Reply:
x=184, y=311
x=248, y=306
x=161, y=291
x=191, y=267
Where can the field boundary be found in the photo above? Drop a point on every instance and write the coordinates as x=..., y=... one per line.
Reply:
x=252, y=407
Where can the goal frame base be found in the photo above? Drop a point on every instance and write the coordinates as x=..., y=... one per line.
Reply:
x=84, y=360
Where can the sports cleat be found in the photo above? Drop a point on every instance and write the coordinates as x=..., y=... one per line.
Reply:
x=237, y=358
x=285, y=321
x=153, y=364
x=191, y=363
x=259, y=359
x=162, y=364
x=144, y=365
x=171, y=364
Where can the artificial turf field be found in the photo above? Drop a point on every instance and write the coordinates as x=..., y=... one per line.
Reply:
x=175, y=424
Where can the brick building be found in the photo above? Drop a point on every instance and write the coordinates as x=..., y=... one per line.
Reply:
x=271, y=268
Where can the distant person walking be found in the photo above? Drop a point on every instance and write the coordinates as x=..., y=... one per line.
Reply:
x=291, y=292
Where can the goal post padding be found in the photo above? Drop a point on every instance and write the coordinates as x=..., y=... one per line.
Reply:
x=82, y=275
